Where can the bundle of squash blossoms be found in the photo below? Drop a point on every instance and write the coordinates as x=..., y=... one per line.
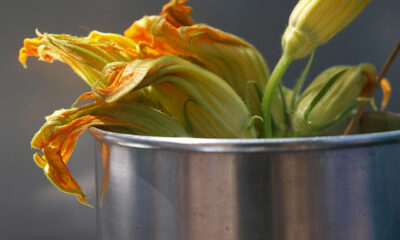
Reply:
x=169, y=76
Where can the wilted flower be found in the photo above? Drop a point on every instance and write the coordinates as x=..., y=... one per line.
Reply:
x=215, y=111
x=233, y=59
x=211, y=90
x=58, y=136
x=87, y=56
x=314, y=22
x=169, y=76
x=175, y=81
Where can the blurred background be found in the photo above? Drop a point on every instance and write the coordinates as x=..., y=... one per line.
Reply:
x=30, y=207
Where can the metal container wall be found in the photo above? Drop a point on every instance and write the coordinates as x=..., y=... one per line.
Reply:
x=151, y=188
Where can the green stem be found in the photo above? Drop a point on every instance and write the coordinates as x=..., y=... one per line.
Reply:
x=269, y=93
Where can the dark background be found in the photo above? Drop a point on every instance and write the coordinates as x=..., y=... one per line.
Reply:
x=30, y=207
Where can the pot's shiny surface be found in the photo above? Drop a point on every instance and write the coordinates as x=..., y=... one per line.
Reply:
x=344, y=188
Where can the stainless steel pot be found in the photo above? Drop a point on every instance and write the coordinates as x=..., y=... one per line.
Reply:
x=323, y=188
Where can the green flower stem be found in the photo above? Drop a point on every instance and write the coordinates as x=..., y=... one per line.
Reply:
x=269, y=93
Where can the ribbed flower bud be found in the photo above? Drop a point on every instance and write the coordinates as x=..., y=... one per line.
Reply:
x=314, y=22
x=330, y=97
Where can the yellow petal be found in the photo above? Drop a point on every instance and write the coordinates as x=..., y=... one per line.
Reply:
x=58, y=136
x=87, y=56
x=30, y=48
x=177, y=13
x=58, y=173
x=39, y=160
x=387, y=92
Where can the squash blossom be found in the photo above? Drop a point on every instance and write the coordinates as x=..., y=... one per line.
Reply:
x=311, y=23
x=58, y=136
x=331, y=96
x=174, y=82
x=87, y=56
x=168, y=76
x=315, y=22
x=233, y=59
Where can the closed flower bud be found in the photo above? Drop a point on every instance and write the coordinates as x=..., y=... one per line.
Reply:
x=314, y=22
x=330, y=97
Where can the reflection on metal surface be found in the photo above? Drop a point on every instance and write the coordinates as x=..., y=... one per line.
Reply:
x=105, y=157
x=318, y=188
x=202, y=198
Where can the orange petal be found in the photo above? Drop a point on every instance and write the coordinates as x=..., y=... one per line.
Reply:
x=30, y=49
x=369, y=86
x=387, y=92
x=87, y=56
x=58, y=150
x=177, y=13
x=58, y=173
x=86, y=96
x=82, y=199
x=122, y=81
x=166, y=38
x=230, y=57
x=114, y=81
x=82, y=97
x=65, y=137
x=39, y=160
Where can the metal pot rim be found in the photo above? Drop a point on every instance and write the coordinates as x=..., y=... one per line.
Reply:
x=247, y=145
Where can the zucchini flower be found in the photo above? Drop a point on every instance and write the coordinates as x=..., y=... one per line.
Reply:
x=200, y=100
x=203, y=105
x=87, y=56
x=58, y=136
x=311, y=23
x=173, y=33
x=233, y=59
x=331, y=96
x=315, y=22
